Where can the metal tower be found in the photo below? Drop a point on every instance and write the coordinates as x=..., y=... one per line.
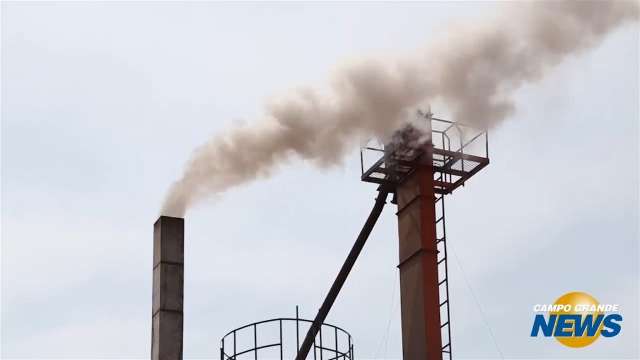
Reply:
x=422, y=163
x=419, y=165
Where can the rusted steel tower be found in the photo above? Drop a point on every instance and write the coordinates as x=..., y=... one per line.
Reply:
x=422, y=163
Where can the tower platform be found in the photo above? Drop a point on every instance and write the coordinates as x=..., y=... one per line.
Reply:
x=456, y=151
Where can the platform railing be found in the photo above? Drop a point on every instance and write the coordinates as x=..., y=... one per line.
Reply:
x=247, y=342
x=458, y=152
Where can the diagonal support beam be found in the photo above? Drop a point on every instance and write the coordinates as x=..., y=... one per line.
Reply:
x=342, y=275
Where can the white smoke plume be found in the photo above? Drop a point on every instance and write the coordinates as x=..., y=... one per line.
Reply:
x=473, y=70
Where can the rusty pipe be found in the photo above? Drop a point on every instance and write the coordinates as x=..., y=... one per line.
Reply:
x=342, y=275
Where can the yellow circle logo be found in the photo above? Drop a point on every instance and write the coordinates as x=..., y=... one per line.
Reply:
x=577, y=303
x=576, y=320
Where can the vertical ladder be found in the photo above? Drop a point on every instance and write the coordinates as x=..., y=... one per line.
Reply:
x=443, y=276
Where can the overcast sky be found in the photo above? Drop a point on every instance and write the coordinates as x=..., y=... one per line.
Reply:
x=102, y=104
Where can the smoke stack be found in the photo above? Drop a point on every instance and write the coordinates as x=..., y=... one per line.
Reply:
x=168, y=288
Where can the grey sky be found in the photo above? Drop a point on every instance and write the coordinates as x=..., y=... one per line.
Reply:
x=103, y=103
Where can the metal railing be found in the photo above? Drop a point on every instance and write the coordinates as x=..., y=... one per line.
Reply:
x=247, y=342
x=458, y=151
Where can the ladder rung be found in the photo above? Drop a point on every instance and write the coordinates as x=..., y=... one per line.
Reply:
x=446, y=349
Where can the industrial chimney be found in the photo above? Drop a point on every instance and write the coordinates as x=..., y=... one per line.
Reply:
x=422, y=170
x=168, y=288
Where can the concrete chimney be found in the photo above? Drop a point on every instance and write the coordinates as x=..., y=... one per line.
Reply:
x=168, y=288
